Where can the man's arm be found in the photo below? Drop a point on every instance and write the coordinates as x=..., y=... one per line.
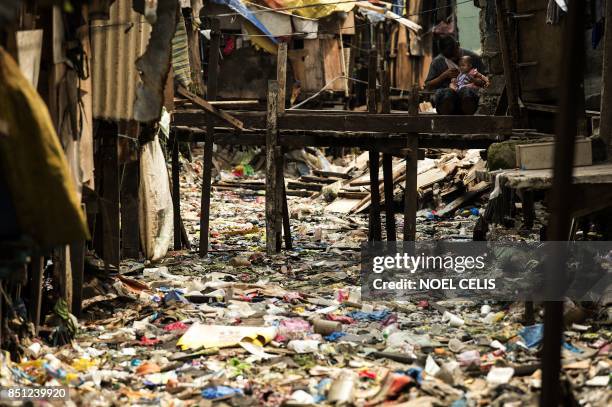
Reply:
x=439, y=80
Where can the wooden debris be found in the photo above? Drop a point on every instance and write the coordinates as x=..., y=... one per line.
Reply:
x=211, y=109
x=453, y=178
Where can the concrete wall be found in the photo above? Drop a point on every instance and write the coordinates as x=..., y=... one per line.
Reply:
x=468, y=26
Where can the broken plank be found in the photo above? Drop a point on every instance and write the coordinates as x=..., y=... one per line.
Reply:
x=320, y=180
x=300, y=193
x=211, y=109
x=331, y=174
x=343, y=205
x=304, y=185
x=353, y=194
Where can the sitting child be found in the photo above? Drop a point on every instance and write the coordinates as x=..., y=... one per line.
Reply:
x=468, y=76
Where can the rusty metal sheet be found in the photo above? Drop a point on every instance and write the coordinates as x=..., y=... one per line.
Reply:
x=116, y=44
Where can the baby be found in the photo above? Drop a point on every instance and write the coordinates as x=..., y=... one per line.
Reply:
x=468, y=76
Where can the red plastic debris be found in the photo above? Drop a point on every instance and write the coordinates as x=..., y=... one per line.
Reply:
x=340, y=318
x=367, y=374
x=148, y=341
x=176, y=326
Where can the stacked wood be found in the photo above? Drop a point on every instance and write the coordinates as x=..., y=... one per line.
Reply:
x=444, y=184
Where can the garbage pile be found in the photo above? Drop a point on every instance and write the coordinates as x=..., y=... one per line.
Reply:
x=250, y=330
x=241, y=328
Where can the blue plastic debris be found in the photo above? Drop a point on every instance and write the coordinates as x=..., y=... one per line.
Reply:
x=55, y=373
x=334, y=336
x=249, y=15
x=322, y=388
x=174, y=296
x=216, y=392
x=532, y=335
x=370, y=316
x=414, y=372
x=571, y=347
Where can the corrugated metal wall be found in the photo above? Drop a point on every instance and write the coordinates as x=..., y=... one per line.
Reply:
x=116, y=44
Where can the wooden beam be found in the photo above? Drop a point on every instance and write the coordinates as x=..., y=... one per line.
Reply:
x=399, y=124
x=281, y=75
x=394, y=123
x=211, y=109
x=272, y=185
x=385, y=143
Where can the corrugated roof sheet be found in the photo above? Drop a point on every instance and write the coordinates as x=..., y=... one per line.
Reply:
x=116, y=44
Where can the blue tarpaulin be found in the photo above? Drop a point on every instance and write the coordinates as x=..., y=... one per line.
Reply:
x=241, y=9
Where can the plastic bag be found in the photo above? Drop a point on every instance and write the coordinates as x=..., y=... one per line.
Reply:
x=156, y=214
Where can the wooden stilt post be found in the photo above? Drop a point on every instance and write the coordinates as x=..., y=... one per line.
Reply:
x=528, y=218
x=37, y=268
x=374, y=232
x=410, y=189
x=529, y=317
x=286, y=225
x=176, y=194
x=206, y=180
x=130, y=177
x=213, y=60
x=388, y=163
x=110, y=199
x=211, y=94
x=572, y=67
x=281, y=77
x=64, y=266
x=389, y=210
x=528, y=209
x=77, y=259
x=278, y=196
x=272, y=184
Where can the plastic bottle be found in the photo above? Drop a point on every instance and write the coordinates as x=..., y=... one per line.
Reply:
x=389, y=330
x=342, y=389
